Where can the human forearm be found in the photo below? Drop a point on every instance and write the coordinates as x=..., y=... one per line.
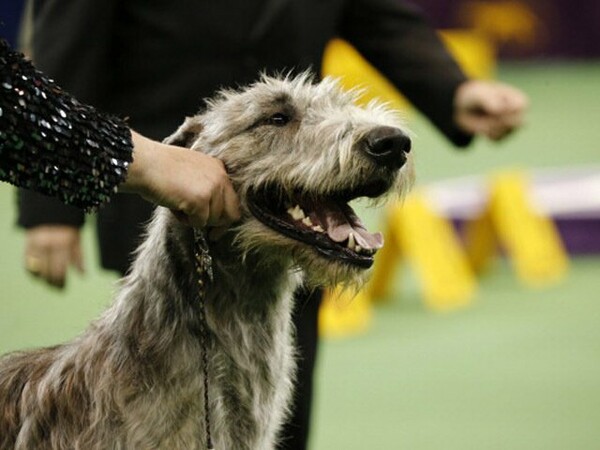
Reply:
x=52, y=144
x=395, y=37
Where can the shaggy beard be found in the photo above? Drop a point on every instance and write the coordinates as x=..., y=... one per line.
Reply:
x=274, y=248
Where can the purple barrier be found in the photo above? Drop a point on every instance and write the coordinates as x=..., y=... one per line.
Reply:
x=571, y=197
x=525, y=28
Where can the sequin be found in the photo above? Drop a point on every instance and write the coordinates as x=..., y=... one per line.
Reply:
x=51, y=143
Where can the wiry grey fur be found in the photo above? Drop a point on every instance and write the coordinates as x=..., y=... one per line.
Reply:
x=133, y=379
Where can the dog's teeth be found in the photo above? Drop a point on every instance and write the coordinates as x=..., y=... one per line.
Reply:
x=306, y=221
x=299, y=213
x=318, y=229
x=358, y=249
x=296, y=213
x=351, y=242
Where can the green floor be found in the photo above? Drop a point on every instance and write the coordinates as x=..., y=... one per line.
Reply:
x=518, y=370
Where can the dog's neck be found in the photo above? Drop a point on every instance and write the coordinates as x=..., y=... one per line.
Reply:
x=254, y=280
x=244, y=289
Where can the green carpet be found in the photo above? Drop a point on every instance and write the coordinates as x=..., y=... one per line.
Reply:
x=518, y=370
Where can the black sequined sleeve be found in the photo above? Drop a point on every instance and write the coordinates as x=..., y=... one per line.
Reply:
x=53, y=144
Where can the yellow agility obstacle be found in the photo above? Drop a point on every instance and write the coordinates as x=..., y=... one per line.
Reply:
x=429, y=245
x=511, y=222
x=343, y=61
x=345, y=313
x=419, y=235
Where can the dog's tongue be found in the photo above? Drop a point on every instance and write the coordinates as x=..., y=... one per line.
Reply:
x=340, y=220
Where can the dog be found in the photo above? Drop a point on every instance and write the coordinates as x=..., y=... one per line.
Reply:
x=161, y=369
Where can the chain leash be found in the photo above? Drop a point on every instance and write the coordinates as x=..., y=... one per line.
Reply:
x=204, y=274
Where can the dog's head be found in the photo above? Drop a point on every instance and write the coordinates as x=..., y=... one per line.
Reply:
x=297, y=153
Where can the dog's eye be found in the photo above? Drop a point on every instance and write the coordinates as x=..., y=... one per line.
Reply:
x=278, y=119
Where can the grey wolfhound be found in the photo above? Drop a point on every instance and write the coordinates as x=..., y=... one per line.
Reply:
x=297, y=152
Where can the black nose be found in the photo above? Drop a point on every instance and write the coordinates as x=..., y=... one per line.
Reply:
x=387, y=146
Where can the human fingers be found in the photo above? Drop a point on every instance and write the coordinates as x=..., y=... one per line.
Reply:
x=196, y=211
x=516, y=106
x=485, y=125
x=58, y=262
x=41, y=244
x=473, y=123
x=511, y=122
x=37, y=255
x=223, y=204
x=34, y=264
x=508, y=112
x=231, y=203
x=504, y=124
x=498, y=131
x=76, y=257
x=216, y=206
x=490, y=98
x=514, y=100
x=225, y=207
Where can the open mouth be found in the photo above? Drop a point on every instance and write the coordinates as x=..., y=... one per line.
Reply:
x=326, y=223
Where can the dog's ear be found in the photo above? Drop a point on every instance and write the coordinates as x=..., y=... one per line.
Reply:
x=187, y=133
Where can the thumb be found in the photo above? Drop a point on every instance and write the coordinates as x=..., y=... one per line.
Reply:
x=476, y=97
x=475, y=123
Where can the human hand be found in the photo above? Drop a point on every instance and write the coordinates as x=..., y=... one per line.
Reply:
x=489, y=108
x=50, y=250
x=193, y=185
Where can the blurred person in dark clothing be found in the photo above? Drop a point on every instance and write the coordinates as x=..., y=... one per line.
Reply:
x=154, y=61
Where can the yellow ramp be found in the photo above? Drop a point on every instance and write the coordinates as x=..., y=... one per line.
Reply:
x=528, y=237
x=430, y=247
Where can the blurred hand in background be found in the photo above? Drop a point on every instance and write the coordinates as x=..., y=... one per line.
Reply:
x=489, y=108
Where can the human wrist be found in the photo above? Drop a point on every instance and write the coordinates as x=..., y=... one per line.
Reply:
x=137, y=175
